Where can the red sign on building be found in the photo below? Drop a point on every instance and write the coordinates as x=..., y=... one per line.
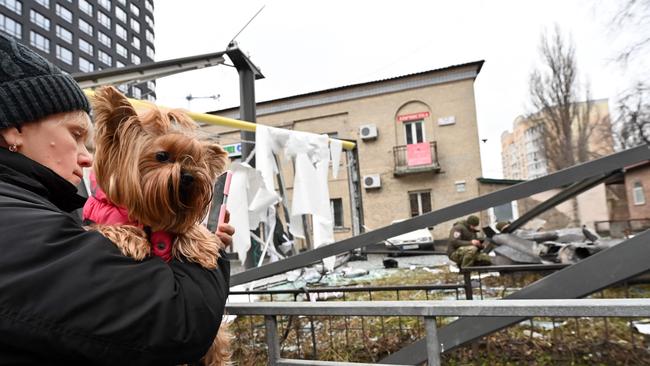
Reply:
x=412, y=116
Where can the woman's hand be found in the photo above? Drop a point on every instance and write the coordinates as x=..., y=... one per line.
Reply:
x=226, y=231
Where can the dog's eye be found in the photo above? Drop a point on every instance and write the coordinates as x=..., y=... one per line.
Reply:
x=162, y=156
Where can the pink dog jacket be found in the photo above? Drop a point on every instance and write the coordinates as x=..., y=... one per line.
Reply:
x=100, y=210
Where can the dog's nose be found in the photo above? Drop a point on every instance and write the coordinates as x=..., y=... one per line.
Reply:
x=186, y=179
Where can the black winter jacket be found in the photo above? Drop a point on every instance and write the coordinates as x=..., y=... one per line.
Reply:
x=69, y=296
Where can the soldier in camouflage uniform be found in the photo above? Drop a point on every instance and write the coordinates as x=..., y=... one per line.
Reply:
x=464, y=248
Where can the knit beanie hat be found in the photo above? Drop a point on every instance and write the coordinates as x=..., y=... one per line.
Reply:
x=32, y=88
x=472, y=220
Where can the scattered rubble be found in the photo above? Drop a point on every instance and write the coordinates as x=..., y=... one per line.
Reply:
x=558, y=246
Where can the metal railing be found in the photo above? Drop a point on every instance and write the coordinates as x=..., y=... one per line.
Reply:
x=621, y=228
x=429, y=310
x=513, y=268
x=308, y=291
x=403, y=167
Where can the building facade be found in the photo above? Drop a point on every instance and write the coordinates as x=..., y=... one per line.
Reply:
x=416, y=137
x=522, y=150
x=86, y=35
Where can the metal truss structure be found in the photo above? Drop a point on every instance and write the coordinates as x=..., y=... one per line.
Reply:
x=579, y=176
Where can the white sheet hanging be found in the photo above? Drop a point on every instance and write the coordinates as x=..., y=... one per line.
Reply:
x=247, y=203
x=311, y=154
x=336, y=148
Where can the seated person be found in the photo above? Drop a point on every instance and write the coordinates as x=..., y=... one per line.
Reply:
x=464, y=248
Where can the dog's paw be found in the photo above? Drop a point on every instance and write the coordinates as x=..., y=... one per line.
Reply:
x=130, y=240
x=198, y=245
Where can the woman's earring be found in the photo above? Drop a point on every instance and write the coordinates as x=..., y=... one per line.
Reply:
x=13, y=148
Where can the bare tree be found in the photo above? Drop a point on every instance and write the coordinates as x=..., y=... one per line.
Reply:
x=563, y=107
x=632, y=125
x=633, y=14
x=564, y=111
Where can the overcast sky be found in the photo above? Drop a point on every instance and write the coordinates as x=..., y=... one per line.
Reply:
x=303, y=46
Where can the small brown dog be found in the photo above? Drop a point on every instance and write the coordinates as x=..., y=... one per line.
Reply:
x=154, y=167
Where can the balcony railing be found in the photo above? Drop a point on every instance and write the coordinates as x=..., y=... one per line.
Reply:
x=416, y=158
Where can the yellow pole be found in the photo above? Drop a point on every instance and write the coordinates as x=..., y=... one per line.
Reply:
x=213, y=119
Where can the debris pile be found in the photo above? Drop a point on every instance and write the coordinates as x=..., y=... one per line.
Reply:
x=545, y=247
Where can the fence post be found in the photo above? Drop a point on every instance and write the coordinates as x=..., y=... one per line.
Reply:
x=272, y=340
x=433, y=344
x=467, y=276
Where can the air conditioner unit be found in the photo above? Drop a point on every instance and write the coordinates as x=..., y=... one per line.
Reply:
x=368, y=132
x=371, y=181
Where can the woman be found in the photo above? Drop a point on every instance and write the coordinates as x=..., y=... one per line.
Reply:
x=67, y=295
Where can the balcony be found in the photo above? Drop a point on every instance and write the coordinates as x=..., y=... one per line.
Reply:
x=416, y=158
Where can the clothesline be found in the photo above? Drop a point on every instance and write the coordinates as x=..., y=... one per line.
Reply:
x=218, y=120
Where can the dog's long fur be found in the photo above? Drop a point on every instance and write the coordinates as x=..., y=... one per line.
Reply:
x=154, y=166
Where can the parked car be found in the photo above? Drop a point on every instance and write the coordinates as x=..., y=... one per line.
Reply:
x=417, y=239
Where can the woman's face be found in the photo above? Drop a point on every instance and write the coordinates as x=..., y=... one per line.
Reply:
x=58, y=142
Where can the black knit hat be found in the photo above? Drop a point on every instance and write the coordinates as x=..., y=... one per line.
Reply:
x=32, y=88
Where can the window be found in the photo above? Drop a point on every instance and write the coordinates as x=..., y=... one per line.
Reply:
x=119, y=63
x=414, y=132
x=150, y=52
x=63, y=34
x=148, y=5
x=135, y=42
x=151, y=98
x=504, y=212
x=123, y=2
x=420, y=202
x=85, y=65
x=44, y=3
x=106, y=4
x=135, y=58
x=134, y=9
x=336, y=207
x=85, y=46
x=149, y=21
x=104, y=39
x=638, y=193
x=123, y=88
x=120, y=31
x=121, y=50
x=105, y=57
x=39, y=19
x=85, y=27
x=121, y=14
x=135, y=25
x=86, y=7
x=104, y=19
x=151, y=85
x=137, y=92
x=39, y=41
x=149, y=35
x=64, y=13
x=11, y=27
x=13, y=5
x=64, y=54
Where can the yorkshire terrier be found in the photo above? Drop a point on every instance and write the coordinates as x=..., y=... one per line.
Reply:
x=157, y=176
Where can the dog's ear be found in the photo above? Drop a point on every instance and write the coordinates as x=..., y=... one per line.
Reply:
x=182, y=119
x=110, y=108
x=217, y=158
